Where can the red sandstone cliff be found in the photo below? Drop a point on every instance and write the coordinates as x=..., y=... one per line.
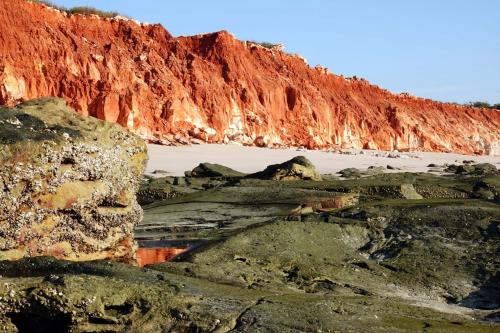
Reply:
x=216, y=88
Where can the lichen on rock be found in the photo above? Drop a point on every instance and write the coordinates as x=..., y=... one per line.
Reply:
x=67, y=183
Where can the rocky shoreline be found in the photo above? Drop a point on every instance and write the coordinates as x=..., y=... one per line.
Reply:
x=286, y=249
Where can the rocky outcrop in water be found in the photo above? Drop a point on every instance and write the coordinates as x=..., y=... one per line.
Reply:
x=215, y=88
x=67, y=183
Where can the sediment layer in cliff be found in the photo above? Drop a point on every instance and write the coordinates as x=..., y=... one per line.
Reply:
x=215, y=88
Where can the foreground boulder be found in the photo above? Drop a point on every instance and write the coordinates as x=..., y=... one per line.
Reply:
x=298, y=168
x=67, y=183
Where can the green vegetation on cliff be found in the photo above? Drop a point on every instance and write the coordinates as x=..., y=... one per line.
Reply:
x=485, y=105
x=79, y=10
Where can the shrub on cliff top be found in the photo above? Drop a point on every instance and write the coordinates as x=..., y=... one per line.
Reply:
x=267, y=45
x=81, y=10
x=485, y=105
x=91, y=11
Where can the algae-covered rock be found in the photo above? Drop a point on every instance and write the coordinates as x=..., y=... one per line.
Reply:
x=476, y=169
x=58, y=296
x=350, y=173
x=68, y=183
x=357, y=173
x=298, y=168
x=375, y=170
x=409, y=192
x=388, y=254
x=156, y=189
x=466, y=168
x=452, y=168
x=488, y=187
x=356, y=256
x=213, y=170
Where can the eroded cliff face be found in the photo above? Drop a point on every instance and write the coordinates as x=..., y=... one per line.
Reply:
x=215, y=88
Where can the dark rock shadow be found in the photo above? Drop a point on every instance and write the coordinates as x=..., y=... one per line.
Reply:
x=16, y=126
x=487, y=297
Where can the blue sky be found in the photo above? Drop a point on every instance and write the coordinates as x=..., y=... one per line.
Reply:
x=447, y=50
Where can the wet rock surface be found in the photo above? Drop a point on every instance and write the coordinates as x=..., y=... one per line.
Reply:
x=351, y=255
x=67, y=184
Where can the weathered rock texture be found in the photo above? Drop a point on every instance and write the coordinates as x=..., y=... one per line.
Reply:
x=216, y=88
x=298, y=168
x=213, y=170
x=67, y=183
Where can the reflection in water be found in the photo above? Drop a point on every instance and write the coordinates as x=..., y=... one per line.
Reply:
x=155, y=255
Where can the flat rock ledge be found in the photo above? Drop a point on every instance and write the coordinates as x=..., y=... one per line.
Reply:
x=67, y=184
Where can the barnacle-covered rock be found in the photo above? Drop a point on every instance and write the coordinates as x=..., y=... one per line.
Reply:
x=67, y=183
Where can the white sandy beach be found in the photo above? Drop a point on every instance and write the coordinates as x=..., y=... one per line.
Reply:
x=176, y=160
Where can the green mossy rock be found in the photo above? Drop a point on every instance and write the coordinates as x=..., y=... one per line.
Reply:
x=476, y=169
x=214, y=170
x=351, y=173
